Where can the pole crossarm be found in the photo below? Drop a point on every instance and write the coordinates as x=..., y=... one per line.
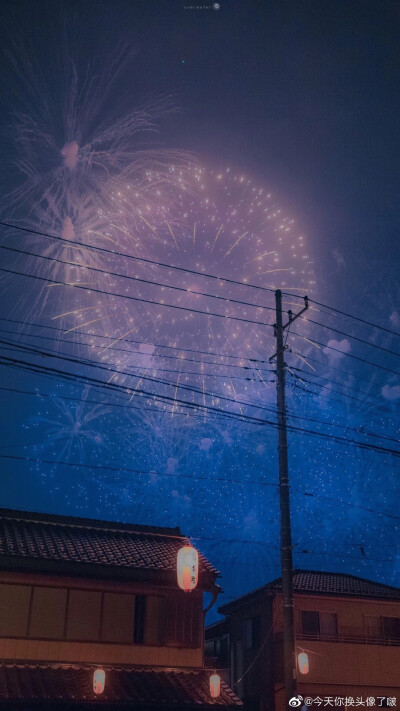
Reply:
x=291, y=319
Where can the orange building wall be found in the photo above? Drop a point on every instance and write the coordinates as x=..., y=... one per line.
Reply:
x=30, y=649
x=95, y=652
x=350, y=612
x=343, y=668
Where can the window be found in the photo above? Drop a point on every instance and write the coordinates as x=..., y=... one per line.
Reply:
x=373, y=627
x=14, y=610
x=310, y=622
x=319, y=624
x=382, y=629
x=48, y=613
x=84, y=615
x=210, y=648
x=140, y=618
x=223, y=650
x=118, y=618
x=40, y=612
x=183, y=618
x=252, y=633
x=328, y=625
x=391, y=628
x=154, y=629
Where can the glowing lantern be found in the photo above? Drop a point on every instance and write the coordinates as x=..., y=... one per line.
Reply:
x=302, y=661
x=99, y=678
x=187, y=568
x=215, y=686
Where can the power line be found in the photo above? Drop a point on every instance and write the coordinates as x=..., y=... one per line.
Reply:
x=252, y=360
x=369, y=396
x=130, y=340
x=152, y=397
x=168, y=383
x=129, y=352
x=13, y=362
x=138, y=259
x=141, y=280
x=181, y=349
x=252, y=418
x=348, y=335
x=343, y=353
x=201, y=392
x=173, y=411
x=191, y=271
x=331, y=390
x=139, y=368
x=362, y=544
x=332, y=367
x=226, y=365
x=348, y=503
x=91, y=289
x=328, y=398
x=356, y=318
x=208, y=394
x=53, y=397
x=224, y=480
x=340, y=555
x=204, y=392
x=226, y=299
x=129, y=470
x=357, y=430
x=195, y=538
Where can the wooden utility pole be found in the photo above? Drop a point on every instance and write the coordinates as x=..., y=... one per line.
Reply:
x=289, y=649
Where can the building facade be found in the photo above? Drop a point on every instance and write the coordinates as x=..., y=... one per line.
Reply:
x=80, y=594
x=348, y=627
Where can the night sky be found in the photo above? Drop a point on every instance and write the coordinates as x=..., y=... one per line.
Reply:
x=250, y=141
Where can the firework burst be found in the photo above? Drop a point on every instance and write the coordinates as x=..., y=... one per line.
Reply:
x=80, y=140
x=214, y=224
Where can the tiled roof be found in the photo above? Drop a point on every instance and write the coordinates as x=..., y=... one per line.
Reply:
x=26, y=536
x=341, y=584
x=138, y=687
x=320, y=583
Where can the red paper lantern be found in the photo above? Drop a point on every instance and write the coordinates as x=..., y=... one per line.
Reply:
x=215, y=686
x=187, y=568
x=302, y=661
x=99, y=678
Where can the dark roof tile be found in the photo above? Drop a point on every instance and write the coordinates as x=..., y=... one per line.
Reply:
x=341, y=584
x=139, y=686
x=62, y=539
x=321, y=583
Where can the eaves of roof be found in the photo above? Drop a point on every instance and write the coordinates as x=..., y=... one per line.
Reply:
x=83, y=547
x=48, y=686
x=318, y=583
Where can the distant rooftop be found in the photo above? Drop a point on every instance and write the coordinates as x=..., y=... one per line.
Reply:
x=319, y=583
x=56, y=543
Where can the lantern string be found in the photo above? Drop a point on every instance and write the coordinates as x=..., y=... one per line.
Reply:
x=308, y=651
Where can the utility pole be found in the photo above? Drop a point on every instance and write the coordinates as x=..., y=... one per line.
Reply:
x=289, y=649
